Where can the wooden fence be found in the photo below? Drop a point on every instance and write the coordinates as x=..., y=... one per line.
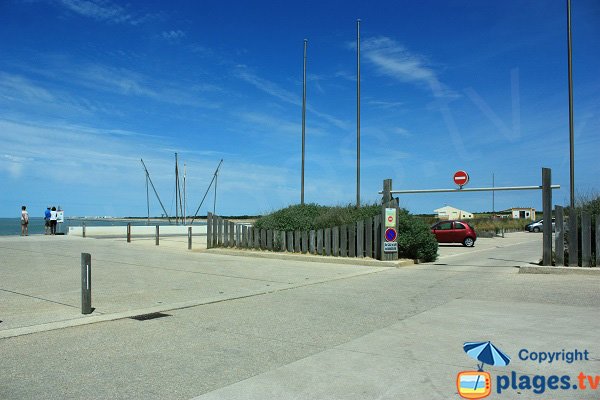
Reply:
x=576, y=242
x=361, y=239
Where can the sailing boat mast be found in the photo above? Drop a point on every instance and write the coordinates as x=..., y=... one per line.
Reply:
x=155, y=192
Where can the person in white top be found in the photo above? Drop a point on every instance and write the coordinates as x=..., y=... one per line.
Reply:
x=24, y=221
x=53, y=218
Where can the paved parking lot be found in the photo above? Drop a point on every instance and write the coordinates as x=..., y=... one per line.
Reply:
x=252, y=328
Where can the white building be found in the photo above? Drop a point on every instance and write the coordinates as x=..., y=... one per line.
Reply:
x=449, y=212
x=522, y=213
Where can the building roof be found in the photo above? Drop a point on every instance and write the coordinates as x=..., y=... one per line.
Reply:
x=446, y=208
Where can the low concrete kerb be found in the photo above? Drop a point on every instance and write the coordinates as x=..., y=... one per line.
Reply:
x=368, y=262
x=539, y=269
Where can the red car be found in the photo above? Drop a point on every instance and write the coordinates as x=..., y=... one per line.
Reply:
x=454, y=232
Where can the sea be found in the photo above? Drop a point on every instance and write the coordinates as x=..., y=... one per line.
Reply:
x=12, y=226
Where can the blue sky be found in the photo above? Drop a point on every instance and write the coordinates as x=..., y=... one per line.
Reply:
x=88, y=87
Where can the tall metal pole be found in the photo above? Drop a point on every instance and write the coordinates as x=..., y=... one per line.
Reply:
x=303, y=120
x=571, y=134
x=184, y=196
x=176, y=192
x=493, y=195
x=148, y=200
x=358, y=113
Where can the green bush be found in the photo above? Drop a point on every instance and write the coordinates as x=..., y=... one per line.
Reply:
x=296, y=217
x=313, y=216
x=415, y=239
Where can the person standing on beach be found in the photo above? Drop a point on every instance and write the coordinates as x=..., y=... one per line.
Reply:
x=47, y=221
x=53, y=218
x=24, y=221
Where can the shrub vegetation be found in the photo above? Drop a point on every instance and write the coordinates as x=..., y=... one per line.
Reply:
x=415, y=239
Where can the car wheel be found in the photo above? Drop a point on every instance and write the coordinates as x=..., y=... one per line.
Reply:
x=536, y=229
x=469, y=242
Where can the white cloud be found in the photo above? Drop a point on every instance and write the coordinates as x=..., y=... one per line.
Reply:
x=173, y=34
x=18, y=88
x=266, y=86
x=394, y=60
x=275, y=90
x=102, y=10
x=385, y=104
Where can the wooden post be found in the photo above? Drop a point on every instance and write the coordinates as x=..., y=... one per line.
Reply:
x=219, y=231
x=297, y=241
x=209, y=230
x=598, y=240
x=389, y=210
x=547, y=209
x=387, y=195
x=129, y=232
x=327, y=241
x=189, y=237
x=282, y=238
x=304, y=243
x=335, y=239
x=573, y=239
x=290, y=241
x=320, y=242
x=586, y=239
x=352, y=240
x=343, y=241
x=250, y=237
x=157, y=235
x=244, y=236
x=238, y=236
x=377, y=235
x=360, y=239
x=82, y=229
x=225, y=233
x=559, y=245
x=312, y=242
x=369, y=238
x=256, y=238
x=269, y=240
x=263, y=239
x=215, y=225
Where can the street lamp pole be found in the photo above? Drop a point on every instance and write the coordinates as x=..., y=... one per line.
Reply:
x=571, y=133
x=358, y=113
x=303, y=121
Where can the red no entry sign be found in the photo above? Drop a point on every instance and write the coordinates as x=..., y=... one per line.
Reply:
x=461, y=178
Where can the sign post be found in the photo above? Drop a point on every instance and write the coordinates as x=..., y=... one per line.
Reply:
x=389, y=231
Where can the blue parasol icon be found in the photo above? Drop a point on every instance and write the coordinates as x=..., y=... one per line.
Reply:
x=487, y=353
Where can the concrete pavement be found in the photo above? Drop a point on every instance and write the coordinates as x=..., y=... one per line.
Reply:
x=346, y=332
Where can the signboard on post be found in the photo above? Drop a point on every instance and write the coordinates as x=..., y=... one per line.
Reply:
x=390, y=247
x=390, y=235
x=461, y=178
x=390, y=217
x=388, y=231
